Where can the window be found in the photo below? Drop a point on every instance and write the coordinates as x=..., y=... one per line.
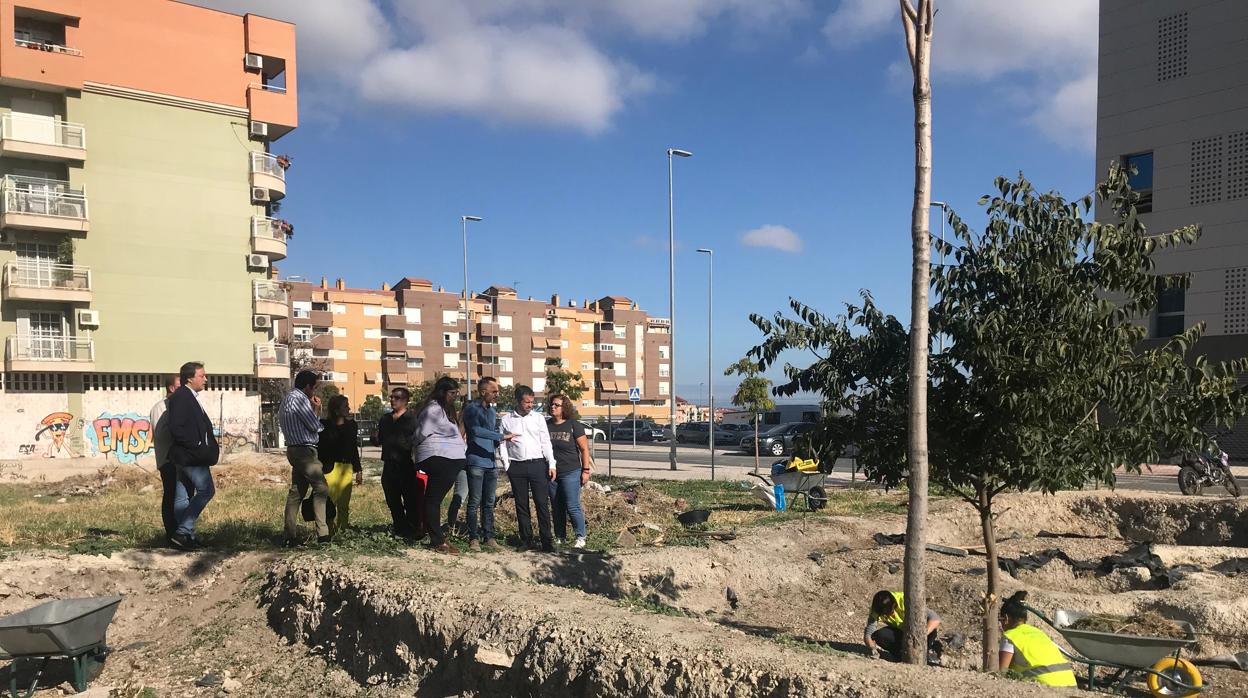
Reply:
x=338, y=309
x=563, y=324
x=449, y=339
x=372, y=311
x=1141, y=180
x=539, y=385
x=413, y=337
x=338, y=331
x=504, y=322
x=450, y=360
x=504, y=364
x=539, y=365
x=372, y=333
x=506, y=381
x=1171, y=303
x=412, y=315
x=620, y=349
x=450, y=317
x=302, y=334
x=587, y=347
x=621, y=332
x=621, y=369
x=538, y=324
x=504, y=343
x=415, y=363
x=665, y=370
x=664, y=389
x=664, y=351
x=586, y=366
x=563, y=344
x=372, y=355
x=587, y=327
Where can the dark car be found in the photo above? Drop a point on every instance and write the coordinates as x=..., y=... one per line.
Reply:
x=642, y=429
x=779, y=440
x=366, y=429
x=698, y=432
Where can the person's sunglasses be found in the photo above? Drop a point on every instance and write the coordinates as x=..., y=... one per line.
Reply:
x=397, y=397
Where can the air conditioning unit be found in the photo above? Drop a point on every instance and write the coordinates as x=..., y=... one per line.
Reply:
x=259, y=194
x=261, y=322
x=88, y=318
x=254, y=61
x=257, y=261
x=258, y=129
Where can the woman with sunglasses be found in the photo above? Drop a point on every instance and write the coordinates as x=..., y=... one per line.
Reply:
x=572, y=468
x=396, y=431
x=441, y=452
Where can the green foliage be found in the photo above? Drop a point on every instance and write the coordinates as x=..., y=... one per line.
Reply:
x=372, y=409
x=325, y=391
x=506, y=398
x=754, y=391
x=559, y=380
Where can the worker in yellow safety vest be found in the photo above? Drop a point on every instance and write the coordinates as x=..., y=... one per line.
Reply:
x=1027, y=652
x=884, y=627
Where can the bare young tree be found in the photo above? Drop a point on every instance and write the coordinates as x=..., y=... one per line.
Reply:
x=918, y=27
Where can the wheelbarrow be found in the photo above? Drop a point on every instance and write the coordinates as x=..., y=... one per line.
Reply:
x=1129, y=658
x=72, y=629
x=796, y=483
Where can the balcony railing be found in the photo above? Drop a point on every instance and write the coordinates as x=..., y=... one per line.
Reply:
x=267, y=88
x=47, y=46
x=43, y=197
x=269, y=291
x=269, y=228
x=44, y=130
x=272, y=354
x=266, y=163
x=41, y=275
x=30, y=348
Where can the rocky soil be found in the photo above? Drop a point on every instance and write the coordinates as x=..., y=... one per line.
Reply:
x=648, y=621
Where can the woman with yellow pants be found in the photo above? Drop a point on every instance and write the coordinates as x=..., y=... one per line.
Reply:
x=339, y=451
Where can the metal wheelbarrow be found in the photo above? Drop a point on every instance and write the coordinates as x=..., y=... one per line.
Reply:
x=72, y=629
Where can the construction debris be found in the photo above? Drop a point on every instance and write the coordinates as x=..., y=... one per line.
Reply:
x=1148, y=624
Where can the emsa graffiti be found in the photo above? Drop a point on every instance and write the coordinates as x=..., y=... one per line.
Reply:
x=126, y=437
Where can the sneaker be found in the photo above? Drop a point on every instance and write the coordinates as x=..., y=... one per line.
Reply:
x=181, y=542
x=474, y=546
x=291, y=543
x=196, y=542
x=492, y=544
x=561, y=541
x=580, y=543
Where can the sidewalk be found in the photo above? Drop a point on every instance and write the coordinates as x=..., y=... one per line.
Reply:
x=624, y=468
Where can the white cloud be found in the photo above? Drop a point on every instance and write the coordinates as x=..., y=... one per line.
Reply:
x=774, y=236
x=1052, y=46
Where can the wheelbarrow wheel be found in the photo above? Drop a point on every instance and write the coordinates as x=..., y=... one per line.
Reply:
x=816, y=498
x=1171, y=670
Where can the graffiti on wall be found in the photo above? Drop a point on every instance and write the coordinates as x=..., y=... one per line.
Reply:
x=52, y=430
x=126, y=437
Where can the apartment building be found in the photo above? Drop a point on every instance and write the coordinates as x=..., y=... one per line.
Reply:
x=1172, y=102
x=337, y=331
x=137, y=192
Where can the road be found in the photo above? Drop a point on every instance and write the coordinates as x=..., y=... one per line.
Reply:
x=651, y=461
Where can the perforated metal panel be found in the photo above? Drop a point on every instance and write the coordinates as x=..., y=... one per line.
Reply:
x=1207, y=171
x=1172, y=47
x=1235, y=301
x=1237, y=165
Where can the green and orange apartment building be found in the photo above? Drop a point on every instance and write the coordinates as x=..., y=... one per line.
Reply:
x=137, y=222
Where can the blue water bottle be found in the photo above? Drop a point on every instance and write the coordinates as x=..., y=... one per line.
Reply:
x=779, y=497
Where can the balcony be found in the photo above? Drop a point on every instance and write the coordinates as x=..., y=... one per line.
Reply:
x=604, y=356
x=322, y=341
x=36, y=137
x=35, y=203
x=321, y=318
x=272, y=361
x=39, y=281
x=394, y=367
x=269, y=236
x=397, y=345
x=267, y=174
x=57, y=354
x=270, y=299
x=393, y=322
x=34, y=62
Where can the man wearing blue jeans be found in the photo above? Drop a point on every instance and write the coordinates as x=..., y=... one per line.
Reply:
x=193, y=452
x=480, y=428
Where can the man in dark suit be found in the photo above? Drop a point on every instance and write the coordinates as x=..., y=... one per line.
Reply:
x=193, y=452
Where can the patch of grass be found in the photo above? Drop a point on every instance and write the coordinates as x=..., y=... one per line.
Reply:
x=801, y=643
x=649, y=605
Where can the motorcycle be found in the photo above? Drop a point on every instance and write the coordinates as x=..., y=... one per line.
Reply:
x=1200, y=470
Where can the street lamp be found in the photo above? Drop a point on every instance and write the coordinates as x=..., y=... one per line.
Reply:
x=467, y=335
x=944, y=213
x=710, y=386
x=671, y=298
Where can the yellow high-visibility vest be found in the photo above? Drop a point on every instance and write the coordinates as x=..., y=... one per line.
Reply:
x=1046, y=663
x=898, y=617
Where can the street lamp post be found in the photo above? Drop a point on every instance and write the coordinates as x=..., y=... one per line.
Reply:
x=944, y=213
x=671, y=298
x=710, y=386
x=467, y=334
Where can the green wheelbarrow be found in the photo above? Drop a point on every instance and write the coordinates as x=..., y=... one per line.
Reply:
x=72, y=629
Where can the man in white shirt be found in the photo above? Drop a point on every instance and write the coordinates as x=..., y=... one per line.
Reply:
x=530, y=464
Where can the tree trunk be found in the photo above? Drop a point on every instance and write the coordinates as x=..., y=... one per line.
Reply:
x=992, y=599
x=918, y=27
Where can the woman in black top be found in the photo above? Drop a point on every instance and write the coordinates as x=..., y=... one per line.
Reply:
x=395, y=432
x=339, y=451
x=572, y=467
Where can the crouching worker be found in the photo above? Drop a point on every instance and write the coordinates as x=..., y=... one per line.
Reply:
x=884, y=627
x=1027, y=652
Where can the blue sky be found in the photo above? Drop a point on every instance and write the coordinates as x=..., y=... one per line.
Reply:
x=549, y=118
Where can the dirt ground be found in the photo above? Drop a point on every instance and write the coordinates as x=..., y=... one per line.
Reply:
x=642, y=621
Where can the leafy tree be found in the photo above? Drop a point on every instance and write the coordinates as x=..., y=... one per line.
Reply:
x=372, y=409
x=1045, y=384
x=559, y=380
x=506, y=398
x=917, y=22
x=753, y=393
x=326, y=390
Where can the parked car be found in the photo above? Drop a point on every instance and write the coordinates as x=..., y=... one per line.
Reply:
x=365, y=429
x=593, y=432
x=644, y=429
x=779, y=440
x=698, y=432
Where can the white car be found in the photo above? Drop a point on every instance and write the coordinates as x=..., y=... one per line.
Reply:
x=593, y=432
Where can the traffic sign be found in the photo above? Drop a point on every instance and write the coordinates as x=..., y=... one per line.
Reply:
x=634, y=394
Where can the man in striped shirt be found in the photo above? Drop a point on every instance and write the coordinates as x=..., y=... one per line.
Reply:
x=301, y=428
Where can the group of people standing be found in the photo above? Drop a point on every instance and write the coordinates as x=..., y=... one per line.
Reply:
x=427, y=448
